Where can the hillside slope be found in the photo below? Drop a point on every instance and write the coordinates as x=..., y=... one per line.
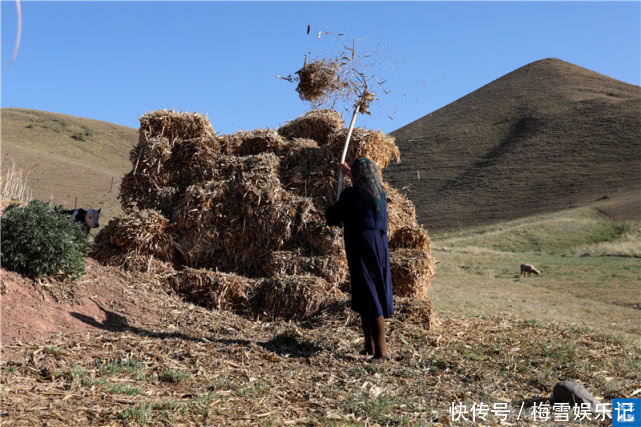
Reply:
x=547, y=136
x=71, y=157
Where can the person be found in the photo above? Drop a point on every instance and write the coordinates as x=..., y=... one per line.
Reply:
x=362, y=210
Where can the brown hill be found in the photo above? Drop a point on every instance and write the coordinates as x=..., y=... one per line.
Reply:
x=544, y=137
x=71, y=157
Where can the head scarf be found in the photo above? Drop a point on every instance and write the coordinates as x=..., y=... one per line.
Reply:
x=365, y=176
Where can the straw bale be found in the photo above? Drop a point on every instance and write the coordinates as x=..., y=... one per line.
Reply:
x=147, y=185
x=322, y=239
x=149, y=173
x=292, y=263
x=318, y=79
x=234, y=222
x=258, y=141
x=318, y=125
x=143, y=232
x=373, y=144
x=310, y=171
x=411, y=237
x=292, y=297
x=200, y=248
x=317, y=237
x=108, y=254
x=193, y=161
x=414, y=311
x=174, y=125
x=237, y=242
x=412, y=272
x=139, y=192
x=238, y=184
x=149, y=155
x=200, y=205
x=213, y=289
x=400, y=210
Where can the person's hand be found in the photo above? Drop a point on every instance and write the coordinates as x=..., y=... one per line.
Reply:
x=346, y=169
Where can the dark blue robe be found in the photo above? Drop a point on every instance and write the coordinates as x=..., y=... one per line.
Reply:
x=367, y=251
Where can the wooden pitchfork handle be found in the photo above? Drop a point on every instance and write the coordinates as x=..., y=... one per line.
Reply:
x=349, y=135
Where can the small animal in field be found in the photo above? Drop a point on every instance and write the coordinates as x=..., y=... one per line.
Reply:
x=89, y=218
x=529, y=269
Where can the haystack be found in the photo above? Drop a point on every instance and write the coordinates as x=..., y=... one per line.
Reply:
x=411, y=237
x=259, y=141
x=241, y=217
x=167, y=140
x=234, y=222
x=412, y=272
x=293, y=263
x=415, y=311
x=310, y=170
x=213, y=289
x=293, y=297
x=108, y=254
x=141, y=192
x=319, y=79
x=315, y=124
x=375, y=145
x=400, y=210
x=174, y=125
x=144, y=232
x=192, y=161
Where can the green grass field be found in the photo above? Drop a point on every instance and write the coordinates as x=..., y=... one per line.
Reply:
x=590, y=270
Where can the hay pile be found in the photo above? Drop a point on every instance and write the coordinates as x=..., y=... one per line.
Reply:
x=318, y=79
x=236, y=222
x=213, y=289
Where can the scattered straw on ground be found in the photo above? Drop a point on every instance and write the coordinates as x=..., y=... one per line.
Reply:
x=213, y=367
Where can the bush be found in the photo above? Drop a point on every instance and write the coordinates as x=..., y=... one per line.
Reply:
x=38, y=241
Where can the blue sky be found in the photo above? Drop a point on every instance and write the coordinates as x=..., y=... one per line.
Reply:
x=114, y=61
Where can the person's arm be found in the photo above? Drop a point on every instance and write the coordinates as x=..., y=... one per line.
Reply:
x=346, y=169
x=336, y=213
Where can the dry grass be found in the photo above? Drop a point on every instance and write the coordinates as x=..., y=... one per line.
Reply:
x=213, y=367
x=545, y=137
x=13, y=185
x=601, y=293
x=628, y=244
x=43, y=143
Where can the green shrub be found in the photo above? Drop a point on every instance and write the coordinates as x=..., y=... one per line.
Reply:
x=78, y=136
x=38, y=241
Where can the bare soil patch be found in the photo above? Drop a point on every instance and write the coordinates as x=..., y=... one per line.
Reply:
x=33, y=310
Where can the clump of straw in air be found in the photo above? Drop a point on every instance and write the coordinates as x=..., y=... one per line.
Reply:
x=318, y=79
x=364, y=100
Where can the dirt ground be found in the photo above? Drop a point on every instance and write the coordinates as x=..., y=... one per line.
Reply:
x=33, y=310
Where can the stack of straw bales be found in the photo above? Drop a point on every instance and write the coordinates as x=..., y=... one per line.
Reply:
x=237, y=222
